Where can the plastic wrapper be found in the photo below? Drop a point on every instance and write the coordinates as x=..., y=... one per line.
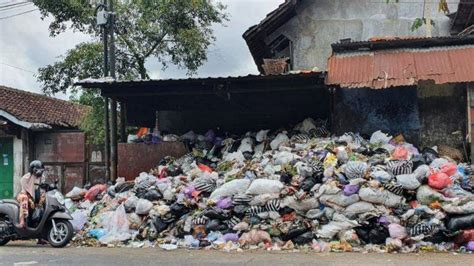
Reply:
x=397, y=231
x=279, y=140
x=79, y=219
x=409, y=181
x=439, y=180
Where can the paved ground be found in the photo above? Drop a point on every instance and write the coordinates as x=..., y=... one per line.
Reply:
x=28, y=254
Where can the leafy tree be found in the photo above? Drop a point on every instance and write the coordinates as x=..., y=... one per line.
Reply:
x=176, y=32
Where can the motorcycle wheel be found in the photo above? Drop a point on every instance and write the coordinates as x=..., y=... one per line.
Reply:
x=4, y=241
x=63, y=235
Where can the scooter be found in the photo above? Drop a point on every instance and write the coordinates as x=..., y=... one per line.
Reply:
x=54, y=225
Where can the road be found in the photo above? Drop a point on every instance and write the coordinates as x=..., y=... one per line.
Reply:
x=29, y=254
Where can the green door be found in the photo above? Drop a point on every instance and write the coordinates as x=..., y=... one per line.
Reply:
x=6, y=168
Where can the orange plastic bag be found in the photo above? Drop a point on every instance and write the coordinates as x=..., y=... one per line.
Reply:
x=142, y=132
x=439, y=180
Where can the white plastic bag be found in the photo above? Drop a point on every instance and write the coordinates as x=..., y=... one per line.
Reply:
x=338, y=224
x=378, y=137
x=358, y=208
x=279, y=140
x=79, y=219
x=116, y=226
x=246, y=145
x=143, y=207
x=382, y=197
x=261, y=135
x=76, y=193
x=339, y=199
x=230, y=188
x=306, y=126
x=264, y=186
x=285, y=157
x=131, y=203
x=409, y=181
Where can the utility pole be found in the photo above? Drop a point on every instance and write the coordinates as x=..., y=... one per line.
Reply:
x=105, y=37
x=102, y=20
x=113, y=102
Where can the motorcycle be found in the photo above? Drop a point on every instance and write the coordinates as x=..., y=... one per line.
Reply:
x=54, y=225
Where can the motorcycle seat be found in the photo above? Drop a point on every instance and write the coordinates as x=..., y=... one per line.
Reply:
x=14, y=202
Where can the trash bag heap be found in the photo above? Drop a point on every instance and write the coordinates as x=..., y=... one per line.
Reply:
x=284, y=190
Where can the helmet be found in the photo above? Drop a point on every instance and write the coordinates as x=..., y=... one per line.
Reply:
x=37, y=168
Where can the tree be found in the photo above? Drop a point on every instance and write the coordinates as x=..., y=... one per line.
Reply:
x=175, y=32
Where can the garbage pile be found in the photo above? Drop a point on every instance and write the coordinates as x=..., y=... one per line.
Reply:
x=285, y=190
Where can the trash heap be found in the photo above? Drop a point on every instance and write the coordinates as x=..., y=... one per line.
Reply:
x=286, y=190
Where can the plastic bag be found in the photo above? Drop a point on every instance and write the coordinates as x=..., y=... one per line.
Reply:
x=425, y=195
x=261, y=135
x=465, y=236
x=470, y=246
x=358, y=208
x=254, y=237
x=449, y=169
x=76, y=193
x=439, y=180
x=280, y=139
x=466, y=208
x=355, y=169
x=397, y=231
x=461, y=222
x=92, y=193
x=264, y=186
x=382, y=197
x=381, y=176
x=400, y=153
x=422, y=172
x=339, y=199
x=338, y=224
x=351, y=189
x=131, y=203
x=230, y=188
x=79, y=219
x=284, y=157
x=409, y=182
x=117, y=227
x=246, y=145
x=143, y=207
x=379, y=138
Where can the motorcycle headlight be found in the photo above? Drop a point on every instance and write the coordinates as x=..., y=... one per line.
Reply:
x=59, y=197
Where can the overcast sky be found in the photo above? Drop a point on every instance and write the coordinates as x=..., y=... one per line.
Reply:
x=25, y=44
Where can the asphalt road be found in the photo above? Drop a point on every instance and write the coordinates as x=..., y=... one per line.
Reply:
x=28, y=254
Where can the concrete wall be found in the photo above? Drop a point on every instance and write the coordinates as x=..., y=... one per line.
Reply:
x=443, y=114
x=319, y=23
x=393, y=111
x=430, y=115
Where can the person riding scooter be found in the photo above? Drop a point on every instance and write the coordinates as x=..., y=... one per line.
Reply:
x=30, y=196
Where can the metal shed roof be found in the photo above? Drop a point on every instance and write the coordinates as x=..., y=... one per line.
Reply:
x=375, y=65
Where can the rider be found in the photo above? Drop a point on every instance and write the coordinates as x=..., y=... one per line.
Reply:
x=30, y=195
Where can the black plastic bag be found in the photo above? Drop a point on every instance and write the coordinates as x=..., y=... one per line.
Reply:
x=461, y=222
x=153, y=195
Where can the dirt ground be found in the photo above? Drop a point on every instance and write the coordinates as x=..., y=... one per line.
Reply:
x=30, y=254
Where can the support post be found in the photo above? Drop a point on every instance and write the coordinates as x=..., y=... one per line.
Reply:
x=113, y=102
x=470, y=123
x=123, y=122
x=106, y=107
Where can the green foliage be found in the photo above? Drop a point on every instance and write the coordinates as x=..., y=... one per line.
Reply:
x=175, y=32
x=93, y=123
x=420, y=22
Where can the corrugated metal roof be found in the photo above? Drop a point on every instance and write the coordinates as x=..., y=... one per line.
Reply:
x=89, y=83
x=401, y=67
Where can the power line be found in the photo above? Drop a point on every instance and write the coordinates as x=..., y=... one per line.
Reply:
x=17, y=67
x=18, y=14
x=13, y=7
x=15, y=4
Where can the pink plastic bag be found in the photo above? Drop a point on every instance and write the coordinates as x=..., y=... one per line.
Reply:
x=400, y=153
x=449, y=169
x=439, y=180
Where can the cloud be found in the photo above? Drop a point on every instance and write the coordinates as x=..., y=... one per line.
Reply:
x=25, y=43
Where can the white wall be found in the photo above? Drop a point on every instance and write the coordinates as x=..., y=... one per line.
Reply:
x=17, y=164
x=319, y=23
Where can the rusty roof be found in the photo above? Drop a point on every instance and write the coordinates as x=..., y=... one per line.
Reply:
x=39, y=109
x=255, y=35
x=401, y=67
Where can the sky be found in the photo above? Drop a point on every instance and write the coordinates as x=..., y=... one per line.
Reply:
x=25, y=44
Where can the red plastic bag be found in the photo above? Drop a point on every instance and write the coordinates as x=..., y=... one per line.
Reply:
x=400, y=153
x=466, y=236
x=94, y=191
x=205, y=168
x=439, y=180
x=449, y=168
